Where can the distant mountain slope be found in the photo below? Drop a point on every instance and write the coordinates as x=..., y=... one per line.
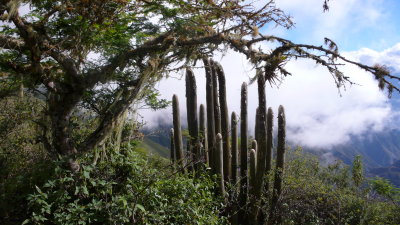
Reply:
x=391, y=173
x=377, y=149
x=155, y=148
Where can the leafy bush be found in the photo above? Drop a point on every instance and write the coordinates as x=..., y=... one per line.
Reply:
x=125, y=189
x=313, y=194
x=23, y=160
x=384, y=188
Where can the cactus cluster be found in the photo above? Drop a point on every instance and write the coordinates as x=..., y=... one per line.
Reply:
x=213, y=143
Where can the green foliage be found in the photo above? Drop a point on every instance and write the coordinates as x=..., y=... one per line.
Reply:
x=313, y=194
x=23, y=160
x=124, y=190
x=384, y=188
x=152, y=100
x=357, y=171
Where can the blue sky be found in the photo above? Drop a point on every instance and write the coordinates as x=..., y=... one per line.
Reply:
x=352, y=24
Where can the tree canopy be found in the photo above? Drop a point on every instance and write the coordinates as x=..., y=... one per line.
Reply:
x=105, y=55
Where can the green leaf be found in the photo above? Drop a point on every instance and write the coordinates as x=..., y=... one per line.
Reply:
x=139, y=206
x=85, y=190
x=86, y=174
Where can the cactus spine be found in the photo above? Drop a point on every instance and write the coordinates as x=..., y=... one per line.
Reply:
x=220, y=167
x=172, y=143
x=191, y=105
x=224, y=122
x=178, y=133
x=210, y=112
x=243, y=154
x=203, y=135
x=234, y=146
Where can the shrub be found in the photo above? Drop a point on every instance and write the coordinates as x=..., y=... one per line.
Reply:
x=23, y=160
x=313, y=194
x=125, y=189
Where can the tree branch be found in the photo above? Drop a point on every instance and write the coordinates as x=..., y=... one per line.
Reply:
x=11, y=43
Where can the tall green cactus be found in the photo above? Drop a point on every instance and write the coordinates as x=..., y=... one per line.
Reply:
x=224, y=121
x=178, y=133
x=172, y=144
x=191, y=106
x=254, y=145
x=252, y=173
x=253, y=167
x=234, y=147
x=203, y=135
x=262, y=148
x=256, y=126
x=210, y=112
x=243, y=155
x=270, y=126
x=217, y=111
x=280, y=155
x=220, y=165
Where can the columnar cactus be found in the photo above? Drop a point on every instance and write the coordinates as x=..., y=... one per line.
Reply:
x=210, y=112
x=171, y=136
x=203, y=135
x=191, y=105
x=178, y=133
x=280, y=156
x=220, y=164
x=270, y=126
x=253, y=169
x=262, y=147
x=217, y=111
x=256, y=126
x=254, y=145
x=253, y=166
x=243, y=154
x=224, y=121
x=234, y=147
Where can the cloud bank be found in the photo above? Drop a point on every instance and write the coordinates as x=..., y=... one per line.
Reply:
x=317, y=115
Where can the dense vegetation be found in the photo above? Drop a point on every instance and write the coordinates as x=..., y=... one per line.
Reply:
x=128, y=186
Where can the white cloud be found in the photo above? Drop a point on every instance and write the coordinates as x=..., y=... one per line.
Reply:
x=317, y=116
x=389, y=57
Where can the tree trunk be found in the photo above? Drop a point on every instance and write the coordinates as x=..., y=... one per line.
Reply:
x=60, y=111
